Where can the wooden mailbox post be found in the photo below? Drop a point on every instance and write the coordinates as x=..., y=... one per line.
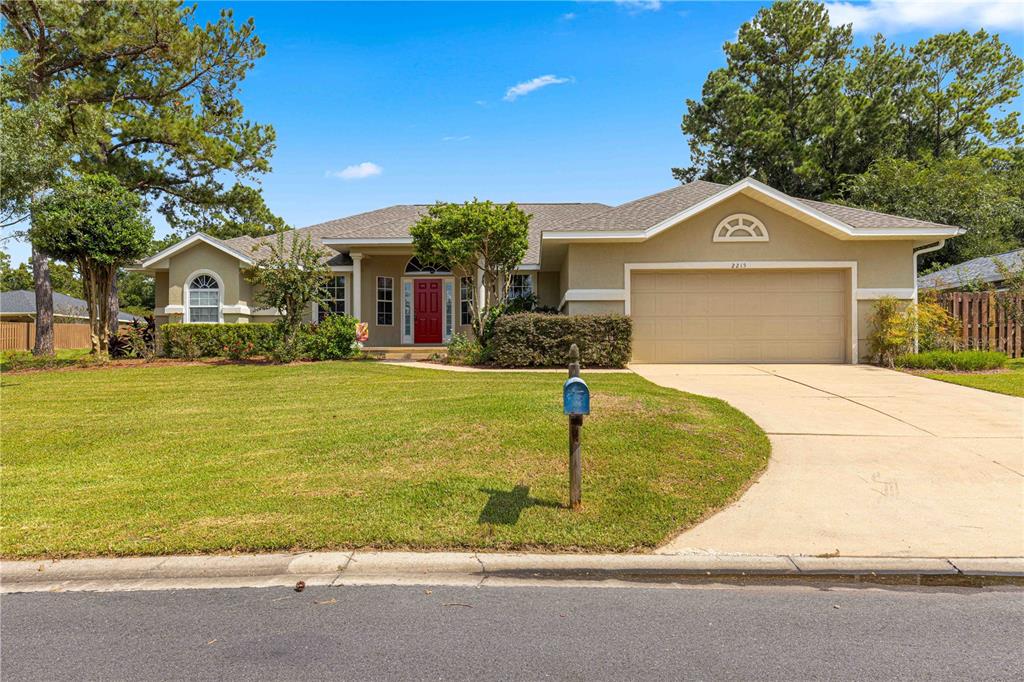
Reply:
x=575, y=404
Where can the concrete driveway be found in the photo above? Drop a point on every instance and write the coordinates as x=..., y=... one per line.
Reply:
x=866, y=462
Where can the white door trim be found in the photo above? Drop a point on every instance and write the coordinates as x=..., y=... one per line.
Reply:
x=850, y=265
x=446, y=334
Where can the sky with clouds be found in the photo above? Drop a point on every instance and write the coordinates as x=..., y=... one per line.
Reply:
x=389, y=103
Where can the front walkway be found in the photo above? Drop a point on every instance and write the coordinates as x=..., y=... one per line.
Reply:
x=866, y=462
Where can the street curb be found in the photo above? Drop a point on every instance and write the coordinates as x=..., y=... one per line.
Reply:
x=468, y=568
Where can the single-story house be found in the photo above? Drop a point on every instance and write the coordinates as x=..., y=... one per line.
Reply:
x=970, y=273
x=20, y=306
x=708, y=272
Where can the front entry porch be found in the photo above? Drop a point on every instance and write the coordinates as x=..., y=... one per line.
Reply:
x=419, y=352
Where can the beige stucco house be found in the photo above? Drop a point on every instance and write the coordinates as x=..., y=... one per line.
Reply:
x=708, y=272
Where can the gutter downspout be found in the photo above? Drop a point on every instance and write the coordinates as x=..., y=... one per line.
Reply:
x=917, y=252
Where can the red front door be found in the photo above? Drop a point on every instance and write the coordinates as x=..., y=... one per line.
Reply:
x=427, y=311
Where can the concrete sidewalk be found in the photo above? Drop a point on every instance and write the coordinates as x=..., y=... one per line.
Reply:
x=456, y=568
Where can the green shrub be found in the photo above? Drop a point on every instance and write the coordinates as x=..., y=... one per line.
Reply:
x=192, y=341
x=960, y=361
x=543, y=340
x=334, y=338
x=895, y=324
x=463, y=350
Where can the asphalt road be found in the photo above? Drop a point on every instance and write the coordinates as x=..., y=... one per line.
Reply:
x=404, y=632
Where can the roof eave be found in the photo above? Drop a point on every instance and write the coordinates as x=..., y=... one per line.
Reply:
x=153, y=260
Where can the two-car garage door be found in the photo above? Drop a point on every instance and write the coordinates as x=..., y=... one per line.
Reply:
x=740, y=316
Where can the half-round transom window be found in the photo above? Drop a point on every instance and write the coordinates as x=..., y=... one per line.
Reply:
x=415, y=267
x=203, y=299
x=741, y=227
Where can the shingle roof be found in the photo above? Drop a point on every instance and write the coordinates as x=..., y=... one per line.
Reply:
x=395, y=221
x=21, y=301
x=982, y=269
x=648, y=211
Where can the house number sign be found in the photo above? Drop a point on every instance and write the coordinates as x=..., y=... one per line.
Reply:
x=739, y=266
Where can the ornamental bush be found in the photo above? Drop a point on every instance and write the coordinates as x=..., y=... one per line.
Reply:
x=962, y=361
x=190, y=341
x=463, y=350
x=333, y=338
x=895, y=324
x=543, y=340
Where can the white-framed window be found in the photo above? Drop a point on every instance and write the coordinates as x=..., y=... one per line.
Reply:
x=465, y=299
x=385, y=301
x=334, y=296
x=415, y=267
x=741, y=227
x=521, y=286
x=204, y=299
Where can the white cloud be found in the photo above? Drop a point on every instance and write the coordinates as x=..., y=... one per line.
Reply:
x=366, y=169
x=890, y=16
x=454, y=138
x=568, y=16
x=640, y=5
x=526, y=87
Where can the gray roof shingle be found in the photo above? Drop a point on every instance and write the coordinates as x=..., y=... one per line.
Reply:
x=648, y=211
x=982, y=269
x=21, y=301
x=395, y=222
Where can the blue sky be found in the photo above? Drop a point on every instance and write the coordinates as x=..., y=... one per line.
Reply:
x=386, y=103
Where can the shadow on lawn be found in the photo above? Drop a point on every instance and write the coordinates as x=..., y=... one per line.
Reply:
x=504, y=506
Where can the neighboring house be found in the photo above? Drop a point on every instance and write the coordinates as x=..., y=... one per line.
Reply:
x=20, y=306
x=708, y=272
x=970, y=274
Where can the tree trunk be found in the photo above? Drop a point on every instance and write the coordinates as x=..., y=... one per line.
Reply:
x=44, y=303
x=113, y=305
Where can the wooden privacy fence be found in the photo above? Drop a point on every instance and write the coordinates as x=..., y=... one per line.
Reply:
x=986, y=321
x=22, y=335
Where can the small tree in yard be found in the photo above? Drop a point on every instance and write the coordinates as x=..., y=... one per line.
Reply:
x=475, y=237
x=97, y=223
x=290, y=279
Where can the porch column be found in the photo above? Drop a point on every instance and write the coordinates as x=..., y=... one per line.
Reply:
x=357, y=285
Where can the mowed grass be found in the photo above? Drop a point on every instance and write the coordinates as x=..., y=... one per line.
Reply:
x=214, y=458
x=1009, y=381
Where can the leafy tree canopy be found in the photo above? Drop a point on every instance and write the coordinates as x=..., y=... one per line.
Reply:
x=14, y=279
x=290, y=279
x=98, y=224
x=799, y=108
x=141, y=91
x=475, y=237
x=982, y=195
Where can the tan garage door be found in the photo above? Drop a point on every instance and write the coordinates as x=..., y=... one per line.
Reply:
x=740, y=316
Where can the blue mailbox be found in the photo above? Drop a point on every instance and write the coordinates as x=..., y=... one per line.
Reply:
x=575, y=397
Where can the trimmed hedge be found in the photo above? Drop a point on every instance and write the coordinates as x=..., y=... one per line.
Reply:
x=543, y=340
x=958, y=361
x=179, y=340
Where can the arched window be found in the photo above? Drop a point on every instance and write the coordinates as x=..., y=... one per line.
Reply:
x=414, y=267
x=741, y=227
x=204, y=298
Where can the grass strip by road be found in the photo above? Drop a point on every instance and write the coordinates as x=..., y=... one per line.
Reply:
x=215, y=458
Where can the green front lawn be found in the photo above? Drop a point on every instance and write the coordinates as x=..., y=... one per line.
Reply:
x=205, y=458
x=1009, y=381
x=23, y=359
